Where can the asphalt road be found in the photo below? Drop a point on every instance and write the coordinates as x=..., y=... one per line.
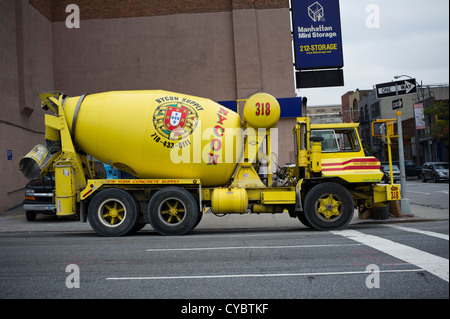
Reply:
x=235, y=265
x=373, y=261
x=428, y=194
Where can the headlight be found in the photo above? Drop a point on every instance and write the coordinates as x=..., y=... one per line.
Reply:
x=29, y=194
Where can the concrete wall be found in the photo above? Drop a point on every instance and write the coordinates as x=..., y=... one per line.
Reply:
x=220, y=55
x=26, y=69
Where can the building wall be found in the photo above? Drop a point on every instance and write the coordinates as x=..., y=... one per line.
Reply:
x=221, y=49
x=26, y=69
x=220, y=55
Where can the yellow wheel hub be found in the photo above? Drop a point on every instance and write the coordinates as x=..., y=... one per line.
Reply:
x=114, y=213
x=173, y=211
x=328, y=207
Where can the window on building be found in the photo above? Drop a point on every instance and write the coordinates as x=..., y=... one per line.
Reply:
x=375, y=110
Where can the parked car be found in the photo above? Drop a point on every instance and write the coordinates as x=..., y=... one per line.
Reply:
x=40, y=192
x=412, y=169
x=39, y=197
x=387, y=173
x=437, y=171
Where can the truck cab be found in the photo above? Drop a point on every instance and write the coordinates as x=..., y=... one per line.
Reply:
x=333, y=151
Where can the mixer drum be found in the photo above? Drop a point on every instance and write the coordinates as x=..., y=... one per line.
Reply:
x=158, y=134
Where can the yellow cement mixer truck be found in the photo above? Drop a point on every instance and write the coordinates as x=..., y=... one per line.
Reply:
x=188, y=154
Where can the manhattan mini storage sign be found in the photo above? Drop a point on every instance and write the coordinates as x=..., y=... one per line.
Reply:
x=317, y=34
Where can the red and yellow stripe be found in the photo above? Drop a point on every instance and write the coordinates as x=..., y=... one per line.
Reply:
x=362, y=163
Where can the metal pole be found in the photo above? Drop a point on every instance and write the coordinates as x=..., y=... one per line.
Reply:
x=404, y=202
x=427, y=126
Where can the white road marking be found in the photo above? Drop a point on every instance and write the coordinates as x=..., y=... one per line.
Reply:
x=424, y=232
x=247, y=247
x=262, y=275
x=418, y=192
x=431, y=263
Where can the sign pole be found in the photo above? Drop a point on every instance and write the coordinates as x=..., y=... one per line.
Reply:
x=404, y=202
x=390, y=89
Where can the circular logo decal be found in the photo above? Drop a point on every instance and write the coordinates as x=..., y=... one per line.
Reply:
x=175, y=121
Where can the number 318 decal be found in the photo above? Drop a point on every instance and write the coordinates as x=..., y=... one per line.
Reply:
x=262, y=109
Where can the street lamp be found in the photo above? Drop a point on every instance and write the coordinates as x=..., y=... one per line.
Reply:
x=399, y=76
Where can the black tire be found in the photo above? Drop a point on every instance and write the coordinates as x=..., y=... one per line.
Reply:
x=173, y=211
x=113, y=212
x=423, y=178
x=301, y=217
x=30, y=215
x=199, y=218
x=328, y=206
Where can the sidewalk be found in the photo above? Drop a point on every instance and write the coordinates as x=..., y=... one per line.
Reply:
x=15, y=221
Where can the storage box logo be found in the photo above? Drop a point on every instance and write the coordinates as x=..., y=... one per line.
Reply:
x=316, y=12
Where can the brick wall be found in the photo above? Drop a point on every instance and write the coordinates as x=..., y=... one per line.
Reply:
x=55, y=10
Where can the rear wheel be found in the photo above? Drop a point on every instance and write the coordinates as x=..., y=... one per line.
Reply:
x=113, y=212
x=173, y=211
x=328, y=206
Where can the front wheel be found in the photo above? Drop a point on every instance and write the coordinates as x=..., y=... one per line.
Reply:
x=113, y=212
x=30, y=215
x=328, y=206
x=173, y=211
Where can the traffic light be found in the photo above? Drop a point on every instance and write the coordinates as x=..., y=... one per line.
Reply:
x=378, y=125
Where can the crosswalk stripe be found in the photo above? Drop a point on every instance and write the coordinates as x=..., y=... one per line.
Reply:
x=429, y=262
x=424, y=232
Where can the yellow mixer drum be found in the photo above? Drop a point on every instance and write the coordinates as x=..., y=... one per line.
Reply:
x=158, y=134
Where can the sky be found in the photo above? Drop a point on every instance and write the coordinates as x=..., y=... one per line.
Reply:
x=411, y=38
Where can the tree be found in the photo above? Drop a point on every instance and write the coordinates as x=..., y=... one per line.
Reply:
x=439, y=129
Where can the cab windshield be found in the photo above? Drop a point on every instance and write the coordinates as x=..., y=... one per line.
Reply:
x=338, y=140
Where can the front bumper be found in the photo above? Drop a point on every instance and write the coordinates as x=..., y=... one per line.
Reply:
x=44, y=208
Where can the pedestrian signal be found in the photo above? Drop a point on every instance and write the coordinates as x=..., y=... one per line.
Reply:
x=378, y=125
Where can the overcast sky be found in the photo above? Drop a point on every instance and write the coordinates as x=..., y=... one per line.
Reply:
x=412, y=38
